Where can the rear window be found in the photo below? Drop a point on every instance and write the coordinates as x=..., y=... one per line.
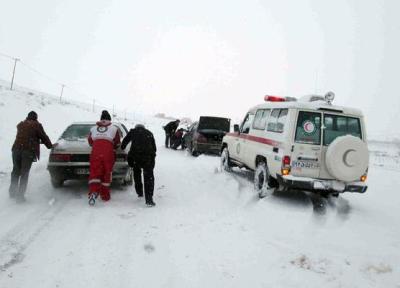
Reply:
x=308, y=128
x=339, y=125
x=77, y=131
x=214, y=123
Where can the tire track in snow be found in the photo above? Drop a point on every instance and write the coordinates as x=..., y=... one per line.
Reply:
x=16, y=241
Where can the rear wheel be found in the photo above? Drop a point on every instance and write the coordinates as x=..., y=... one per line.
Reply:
x=262, y=181
x=225, y=160
x=128, y=180
x=56, y=181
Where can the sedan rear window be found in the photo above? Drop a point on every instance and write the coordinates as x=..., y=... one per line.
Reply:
x=76, y=131
x=308, y=128
x=338, y=125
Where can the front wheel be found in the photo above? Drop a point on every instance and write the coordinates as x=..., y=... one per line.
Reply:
x=262, y=180
x=225, y=160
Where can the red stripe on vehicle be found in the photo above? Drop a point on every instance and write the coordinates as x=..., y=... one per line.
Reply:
x=256, y=139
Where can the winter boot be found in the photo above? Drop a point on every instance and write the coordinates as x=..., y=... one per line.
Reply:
x=150, y=203
x=92, y=198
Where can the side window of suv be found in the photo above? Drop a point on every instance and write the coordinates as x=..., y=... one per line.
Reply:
x=245, y=128
x=280, y=125
x=272, y=120
x=260, y=120
x=277, y=120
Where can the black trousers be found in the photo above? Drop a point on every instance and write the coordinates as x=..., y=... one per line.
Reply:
x=145, y=165
x=167, y=139
x=22, y=163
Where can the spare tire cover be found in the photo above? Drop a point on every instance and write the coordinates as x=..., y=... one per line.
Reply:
x=347, y=158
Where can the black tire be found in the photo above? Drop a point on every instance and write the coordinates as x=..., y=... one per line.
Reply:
x=56, y=181
x=225, y=160
x=262, y=180
x=128, y=180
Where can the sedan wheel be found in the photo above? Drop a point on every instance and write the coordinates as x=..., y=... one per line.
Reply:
x=129, y=178
x=56, y=182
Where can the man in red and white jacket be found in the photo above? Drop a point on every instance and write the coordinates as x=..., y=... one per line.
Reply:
x=104, y=138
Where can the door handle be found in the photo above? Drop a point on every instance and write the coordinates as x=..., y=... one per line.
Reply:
x=275, y=149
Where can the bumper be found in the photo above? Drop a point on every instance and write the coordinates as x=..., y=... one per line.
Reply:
x=80, y=170
x=310, y=184
x=209, y=148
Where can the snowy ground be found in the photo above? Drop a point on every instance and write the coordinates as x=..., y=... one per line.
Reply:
x=208, y=229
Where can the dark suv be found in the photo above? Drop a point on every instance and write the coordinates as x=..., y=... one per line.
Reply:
x=205, y=135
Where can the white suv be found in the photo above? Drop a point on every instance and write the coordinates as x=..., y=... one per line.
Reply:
x=308, y=144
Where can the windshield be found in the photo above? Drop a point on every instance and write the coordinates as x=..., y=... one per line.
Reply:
x=338, y=125
x=214, y=123
x=77, y=131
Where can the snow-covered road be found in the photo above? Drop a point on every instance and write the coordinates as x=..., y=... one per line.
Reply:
x=209, y=229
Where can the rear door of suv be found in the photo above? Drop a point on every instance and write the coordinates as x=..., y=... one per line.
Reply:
x=306, y=151
x=336, y=125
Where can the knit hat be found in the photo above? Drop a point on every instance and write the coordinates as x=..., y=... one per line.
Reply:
x=105, y=115
x=139, y=125
x=32, y=116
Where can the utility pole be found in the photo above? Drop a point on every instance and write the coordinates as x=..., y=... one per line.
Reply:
x=62, y=90
x=12, y=79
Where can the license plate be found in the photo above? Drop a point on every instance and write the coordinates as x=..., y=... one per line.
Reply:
x=305, y=164
x=82, y=171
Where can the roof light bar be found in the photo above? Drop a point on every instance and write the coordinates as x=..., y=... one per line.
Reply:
x=271, y=98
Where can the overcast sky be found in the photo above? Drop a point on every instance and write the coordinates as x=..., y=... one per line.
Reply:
x=191, y=58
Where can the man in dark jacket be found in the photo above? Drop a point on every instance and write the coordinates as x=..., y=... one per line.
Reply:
x=142, y=156
x=170, y=129
x=26, y=149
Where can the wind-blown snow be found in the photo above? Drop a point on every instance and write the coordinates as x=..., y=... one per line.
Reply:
x=209, y=229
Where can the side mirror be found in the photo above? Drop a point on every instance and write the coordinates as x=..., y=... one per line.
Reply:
x=236, y=128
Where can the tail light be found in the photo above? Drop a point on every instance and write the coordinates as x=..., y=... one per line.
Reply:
x=60, y=157
x=363, y=178
x=285, y=170
x=201, y=138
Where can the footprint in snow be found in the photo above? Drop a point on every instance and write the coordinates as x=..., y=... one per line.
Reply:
x=149, y=248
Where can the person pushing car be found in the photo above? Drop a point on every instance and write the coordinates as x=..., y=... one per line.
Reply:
x=142, y=156
x=170, y=130
x=26, y=149
x=104, y=138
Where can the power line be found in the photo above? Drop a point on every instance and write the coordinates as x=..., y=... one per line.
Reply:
x=48, y=78
x=7, y=56
x=39, y=73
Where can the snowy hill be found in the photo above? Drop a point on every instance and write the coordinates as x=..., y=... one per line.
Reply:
x=209, y=229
